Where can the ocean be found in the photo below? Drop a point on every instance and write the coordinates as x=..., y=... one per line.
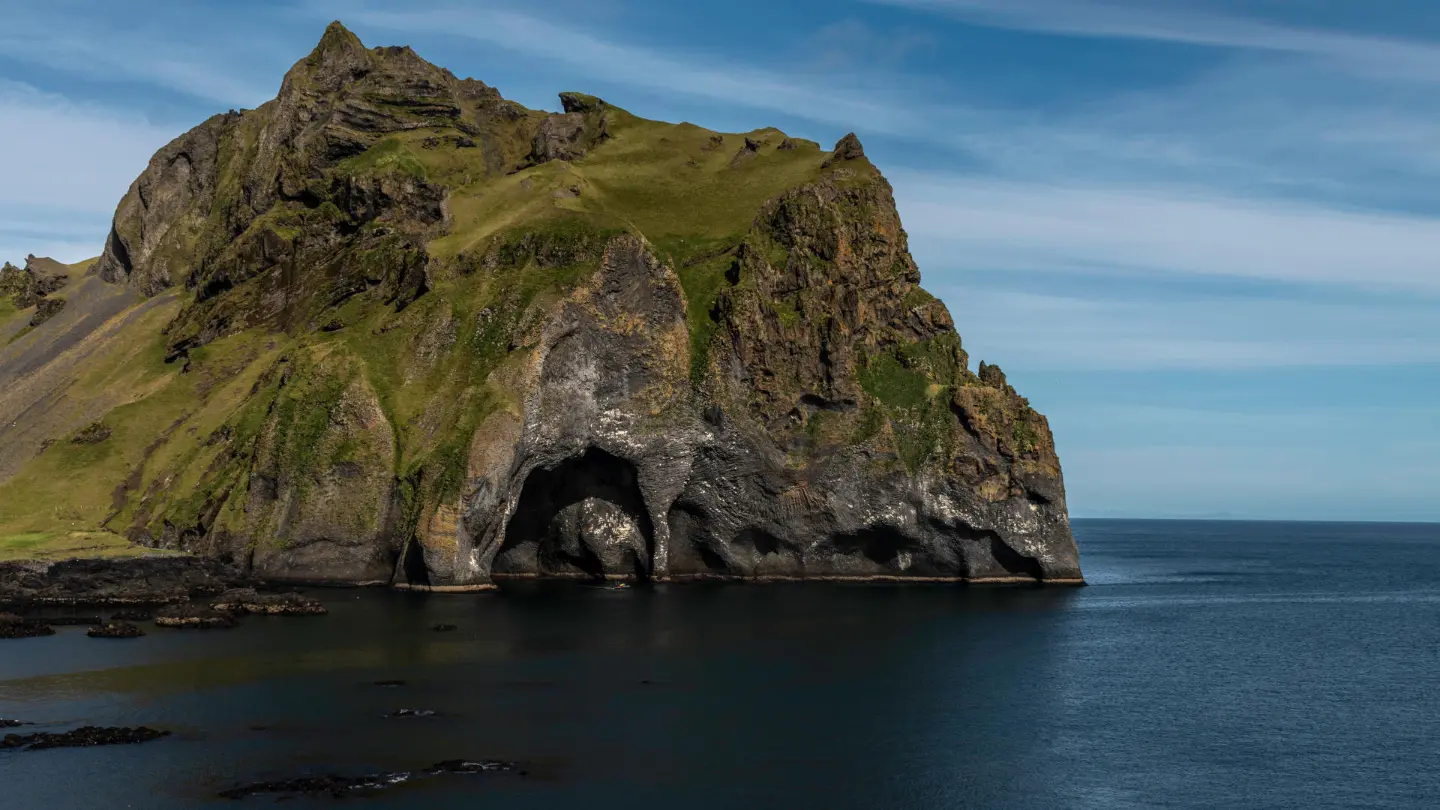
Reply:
x=1207, y=665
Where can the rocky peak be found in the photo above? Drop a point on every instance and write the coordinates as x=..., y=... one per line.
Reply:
x=581, y=103
x=992, y=376
x=847, y=148
x=339, y=57
x=571, y=134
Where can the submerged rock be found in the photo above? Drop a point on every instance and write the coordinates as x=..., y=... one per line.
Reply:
x=115, y=630
x=471, y=766
x=12, y=626
x=194, y=617
x=412, y=713
x=332, y=784
x=389, y=684
x=444, y=628
x=248, y=600
x=84, y=737
x=338, y=785
x=6, y=723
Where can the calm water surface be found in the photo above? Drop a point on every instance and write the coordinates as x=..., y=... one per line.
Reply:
x=1207, y=665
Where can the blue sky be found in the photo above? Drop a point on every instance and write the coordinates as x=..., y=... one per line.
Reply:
x=1203, y=237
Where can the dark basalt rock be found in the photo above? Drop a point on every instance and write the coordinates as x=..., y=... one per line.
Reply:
x=194, y=617
x=139, y=581
x=444, y=628
x=332, y=784
x=471, y=766
x=248, y=600
x=389, y=684
x=12, y=626
x=339, y=786
x=7, y=723
x=115, y=630
x=412, y=713
x=45, y=309
x=84, y=737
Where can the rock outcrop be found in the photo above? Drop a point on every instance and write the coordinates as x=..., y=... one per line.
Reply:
x=29, y=286
x=650, y=351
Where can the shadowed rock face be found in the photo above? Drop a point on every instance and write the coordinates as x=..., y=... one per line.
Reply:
x=493, y=372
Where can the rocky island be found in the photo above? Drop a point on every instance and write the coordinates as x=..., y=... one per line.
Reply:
x=393, y=328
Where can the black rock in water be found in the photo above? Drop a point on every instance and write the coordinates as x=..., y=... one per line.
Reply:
x=339, y=786
x=389, y=684
x=194, y=617
x=12, y=626
x=412, y=713
x=444, y=628
x=333, y=784
x=7, y=723
x=115, y=630
x=131, y=616
x=471, y=766
x=84, y=737
x=248, y=600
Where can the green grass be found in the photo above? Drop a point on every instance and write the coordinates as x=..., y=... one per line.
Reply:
x=886, y=379
x=389, y=155
x=61, y=545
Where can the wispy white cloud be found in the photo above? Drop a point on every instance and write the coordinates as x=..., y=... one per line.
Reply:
x=67, y=166
x=1088, y=229
x=1053, y=332
x=111, y=56
x=1155, y=21
x=849, y=44
x=652, y=69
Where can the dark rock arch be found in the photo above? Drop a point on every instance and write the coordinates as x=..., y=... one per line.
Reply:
x=584, y=518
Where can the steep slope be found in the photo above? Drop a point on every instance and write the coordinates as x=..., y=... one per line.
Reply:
x=392, y=327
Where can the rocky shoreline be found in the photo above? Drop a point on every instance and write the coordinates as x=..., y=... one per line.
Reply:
x=189, y=592
x=142, y=581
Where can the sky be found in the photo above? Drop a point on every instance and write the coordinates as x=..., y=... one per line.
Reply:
x=1202, y=236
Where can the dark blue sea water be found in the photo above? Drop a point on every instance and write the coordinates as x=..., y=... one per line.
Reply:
x=1208, y=665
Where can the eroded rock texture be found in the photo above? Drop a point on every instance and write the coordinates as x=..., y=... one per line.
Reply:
x=649, y=351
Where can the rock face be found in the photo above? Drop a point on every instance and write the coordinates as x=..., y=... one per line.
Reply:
x=650, y=351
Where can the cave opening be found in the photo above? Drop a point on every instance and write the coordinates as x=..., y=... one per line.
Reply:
x=584, y=518
x=413, y=565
